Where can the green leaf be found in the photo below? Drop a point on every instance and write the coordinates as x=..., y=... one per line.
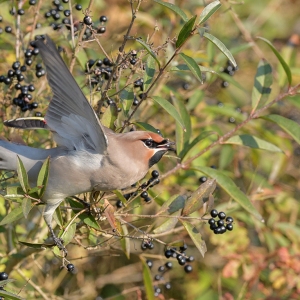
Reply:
x=252, y=142
x=231, y=189
x=262, y=84
x=43, y=177
x=199, y=197
x=185, y=31
x=175, y=8
x=127, y=97
x=193, y=66
x=280, y=58
x=35, y=245
x=26, y=206
x=147, y=48
x=22, y=175
x=169, y=224
x=110, y=115
x=14, y=215
x=175, y=203
x=150, y=72
x=200, y=137
x=121, y=197
x=170, y=109
x=10, y=296
x=148, y=281
x=195, y=236
x=221, y=46
x=289, y=126
x=68, y=235
x=146, y=126
x=86, y=218
x=208, y=11
x=182, y=137
x=125, y=242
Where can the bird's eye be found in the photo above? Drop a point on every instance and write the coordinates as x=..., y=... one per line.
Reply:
x=149, y=143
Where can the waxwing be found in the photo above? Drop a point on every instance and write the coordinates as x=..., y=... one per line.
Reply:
x=88, y=156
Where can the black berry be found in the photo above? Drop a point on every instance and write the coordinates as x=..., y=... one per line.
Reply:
x=169, y=265
x=3, y=276
x=214, y=213
x=70, y=267
x=144, y=194
x=168, y=253
x=202, y=179
x=161, y=268
x=8, y=29
x=222, y=215
x=149, y=263
x=87, y=20
x=155, y=174
x=103, y=19
x=229, y=227
x=229, y=219
x=78, y=7
x=188, y=268
x=211, y=221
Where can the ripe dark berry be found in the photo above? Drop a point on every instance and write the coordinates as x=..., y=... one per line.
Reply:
x=217, y=230
x=185, y=86
x=157, y=277
x=8, y=29
x=101, y=29
x=229, y=219
x=229, y=227
x=155, y=174
x=222, y=215
x=65, y=1
x=18, y=86
x=213, y=226
x=56, y=16
x=135, y=101
x=211, y=221
x=168, y=286
x=225, y=84
x=78, y=7
x=47, y=14
x=188, y=268
x=32, y=2
x=31, y=88
x=220, y=222
x=168, y=253
x=10, y=73
x=214, y=213
x=23, y=69
x=161, y=268
x=2, y=78
x=144, y=246
x=133, y=61
x=107, y=62
x=190, y=258
x=202, y=179
x=169, y=265
x=182, y=261
x=3, y=276
x=150, y=245
x=16, y=65
x=7, y=80
x=87, y=20
x=144, y=194
x=223, y=229
x=35, y=51
x=67, y=12
x=147, y=199
x=231, y=120
x=183, y=247
x=103, y=19
x=21, y=12
x=119, y=204
x=28, y=61
x=149, y=263
x=70, y=267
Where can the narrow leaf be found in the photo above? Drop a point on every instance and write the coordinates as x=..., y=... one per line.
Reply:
x=125, y=242
x=170, y=109
x=208, y=11
x=175, y=203
x=121, y=197
x=35, y=245
x=231, y=189
x=26, y=206
x=252, y=142
x=199, y=197
x=43, y=177
x=22, y=175
x=14, y=215
x=150, y=72
x=127, y=97
x=262, y=84
x=147, y=48
x=10, y=296
x=148, y=281
x=222, y=47
x=146, y=126
x=109, y=116
x=280, y=58
x=195, y=236
x=185, y=31
x=175, y=8
x=289, y=126
x=169, y=224
x=69, y=234
x=193, y=66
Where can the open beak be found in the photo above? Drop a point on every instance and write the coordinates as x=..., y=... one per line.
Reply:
x=166, y=145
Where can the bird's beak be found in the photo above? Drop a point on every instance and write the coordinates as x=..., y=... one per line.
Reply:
x=166, y=145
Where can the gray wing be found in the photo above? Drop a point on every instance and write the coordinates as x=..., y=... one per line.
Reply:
x=69, y=113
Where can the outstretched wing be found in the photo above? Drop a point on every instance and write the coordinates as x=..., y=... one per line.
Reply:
x=69, y=113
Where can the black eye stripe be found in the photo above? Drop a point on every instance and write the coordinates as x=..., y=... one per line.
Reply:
x=152, y=144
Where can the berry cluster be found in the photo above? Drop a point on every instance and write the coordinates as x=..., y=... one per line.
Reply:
x=222, y=225
x=147, y=244
x=3, y=276
x=230, y=70
x=182, y=260
x=70, y=267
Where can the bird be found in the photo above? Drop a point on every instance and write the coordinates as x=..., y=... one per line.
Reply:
x=88, y=156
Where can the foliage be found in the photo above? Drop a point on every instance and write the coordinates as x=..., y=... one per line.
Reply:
x=236, y=127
